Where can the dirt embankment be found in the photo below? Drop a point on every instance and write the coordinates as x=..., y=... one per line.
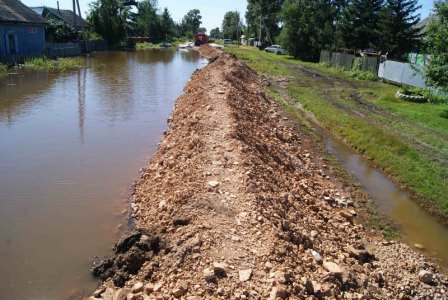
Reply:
x=233, y=206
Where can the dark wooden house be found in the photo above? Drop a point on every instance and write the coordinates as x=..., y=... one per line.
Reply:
x=22, y=32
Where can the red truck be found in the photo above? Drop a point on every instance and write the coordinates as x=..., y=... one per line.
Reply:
x=200, y=38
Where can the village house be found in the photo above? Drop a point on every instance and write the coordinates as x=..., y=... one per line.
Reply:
x=22, y=32
x=64, y=15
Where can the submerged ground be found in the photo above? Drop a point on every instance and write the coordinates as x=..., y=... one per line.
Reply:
x=237, y=204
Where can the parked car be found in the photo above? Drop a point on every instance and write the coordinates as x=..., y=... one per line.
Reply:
x=227, y=41
x=276, y=49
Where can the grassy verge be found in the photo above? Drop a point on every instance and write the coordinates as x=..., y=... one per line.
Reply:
x=3, y=69
x=61, y=64
x=172, y=43
x=409, y=141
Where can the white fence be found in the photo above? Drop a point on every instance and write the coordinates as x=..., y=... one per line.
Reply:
x=402, y=73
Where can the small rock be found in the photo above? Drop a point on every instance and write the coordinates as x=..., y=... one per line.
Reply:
x=209, y=275
x=267, y=266
x=98, y=292
x=213, y=183
x=419, y=246
x=181, y=289
x=425, y=276
x=162, y=205
x=278, y=292
x=245, y=275
x=345, y=214
x=219, y=269
x=317, y=257
x=332, y=268
x=285, y=225
x=137, y=288
x=108, y=294
x=121, y=294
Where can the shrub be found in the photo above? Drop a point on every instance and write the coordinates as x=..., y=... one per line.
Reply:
x=444, y=114
x=3, y=68
x=45, y=64
x=363, y=75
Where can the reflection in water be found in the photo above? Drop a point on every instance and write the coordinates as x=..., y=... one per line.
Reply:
x=416, y=225
x=70, y=147
x=81, y=102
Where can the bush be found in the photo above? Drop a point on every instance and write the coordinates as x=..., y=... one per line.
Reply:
x=444, y=114
x=45, y=64
x=3, y=68
x=363, y=75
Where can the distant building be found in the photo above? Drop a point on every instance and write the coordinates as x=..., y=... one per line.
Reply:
x=64, y=15
x=22, y=31
x=423, y=24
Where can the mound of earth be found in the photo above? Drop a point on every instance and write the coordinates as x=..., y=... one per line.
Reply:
x=234, y=206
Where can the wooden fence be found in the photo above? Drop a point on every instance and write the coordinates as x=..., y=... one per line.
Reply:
x=55, y=51
x=350, y=62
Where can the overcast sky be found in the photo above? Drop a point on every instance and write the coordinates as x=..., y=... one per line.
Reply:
x=212, y=11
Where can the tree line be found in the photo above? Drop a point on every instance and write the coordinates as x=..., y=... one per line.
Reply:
x=308, y=26
x=114, y=21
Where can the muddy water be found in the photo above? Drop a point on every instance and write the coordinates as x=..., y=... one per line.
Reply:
x=415, y=225
x=70, y=147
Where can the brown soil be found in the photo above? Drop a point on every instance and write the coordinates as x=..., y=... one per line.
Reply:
x=234, y=205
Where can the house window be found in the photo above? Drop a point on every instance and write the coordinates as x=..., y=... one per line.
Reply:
x=33, y=30
x=12, y=43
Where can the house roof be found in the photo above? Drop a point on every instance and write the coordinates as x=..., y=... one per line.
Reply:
x=423, y=24
x=17, y=12
x=65, y=15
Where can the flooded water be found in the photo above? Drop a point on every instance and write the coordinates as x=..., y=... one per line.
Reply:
x=415, y=225
x=70, y=148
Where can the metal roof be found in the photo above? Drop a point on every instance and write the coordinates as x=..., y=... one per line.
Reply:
x=14, y=11
x=65, y=15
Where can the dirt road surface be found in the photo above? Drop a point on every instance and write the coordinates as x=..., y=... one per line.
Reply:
x=235, y=205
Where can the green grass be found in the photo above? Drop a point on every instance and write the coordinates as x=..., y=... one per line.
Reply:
x=61, y=64
x=407, y=140
x=173, y=43
x=3, y=69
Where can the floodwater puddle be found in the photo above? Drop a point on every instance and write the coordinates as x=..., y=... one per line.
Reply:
x=416, y=226
x=71, y=146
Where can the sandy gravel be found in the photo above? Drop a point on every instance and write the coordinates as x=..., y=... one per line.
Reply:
x=234, y=205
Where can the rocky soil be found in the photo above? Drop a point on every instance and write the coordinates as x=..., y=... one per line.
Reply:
x=234, y=205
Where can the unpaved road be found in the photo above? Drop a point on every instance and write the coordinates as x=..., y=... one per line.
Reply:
x=234, y=205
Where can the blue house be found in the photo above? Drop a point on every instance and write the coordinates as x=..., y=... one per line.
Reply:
x=22, y=32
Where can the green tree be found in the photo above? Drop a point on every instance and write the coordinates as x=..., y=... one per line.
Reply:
x=148, y=22
x=231, y=25
x=269, y=11
x=192, y=21
x=166, y=24
x=215, y=33
x=60, y=31
x=437, y=45
x=398, y=26
x=108, y=19
x=360, y=26
x=308, y=27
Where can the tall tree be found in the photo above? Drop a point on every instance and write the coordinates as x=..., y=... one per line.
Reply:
x=147, y=20
x=231, y=25
x=108, y=19
x=437, y=44
x=215, y=33
x=269, y=12
x=360, y=26
x=166, y=24
x=308, y=27
x=399, y=33
x=192, y=21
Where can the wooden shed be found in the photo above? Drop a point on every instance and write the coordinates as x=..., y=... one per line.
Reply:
x=22, y=32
